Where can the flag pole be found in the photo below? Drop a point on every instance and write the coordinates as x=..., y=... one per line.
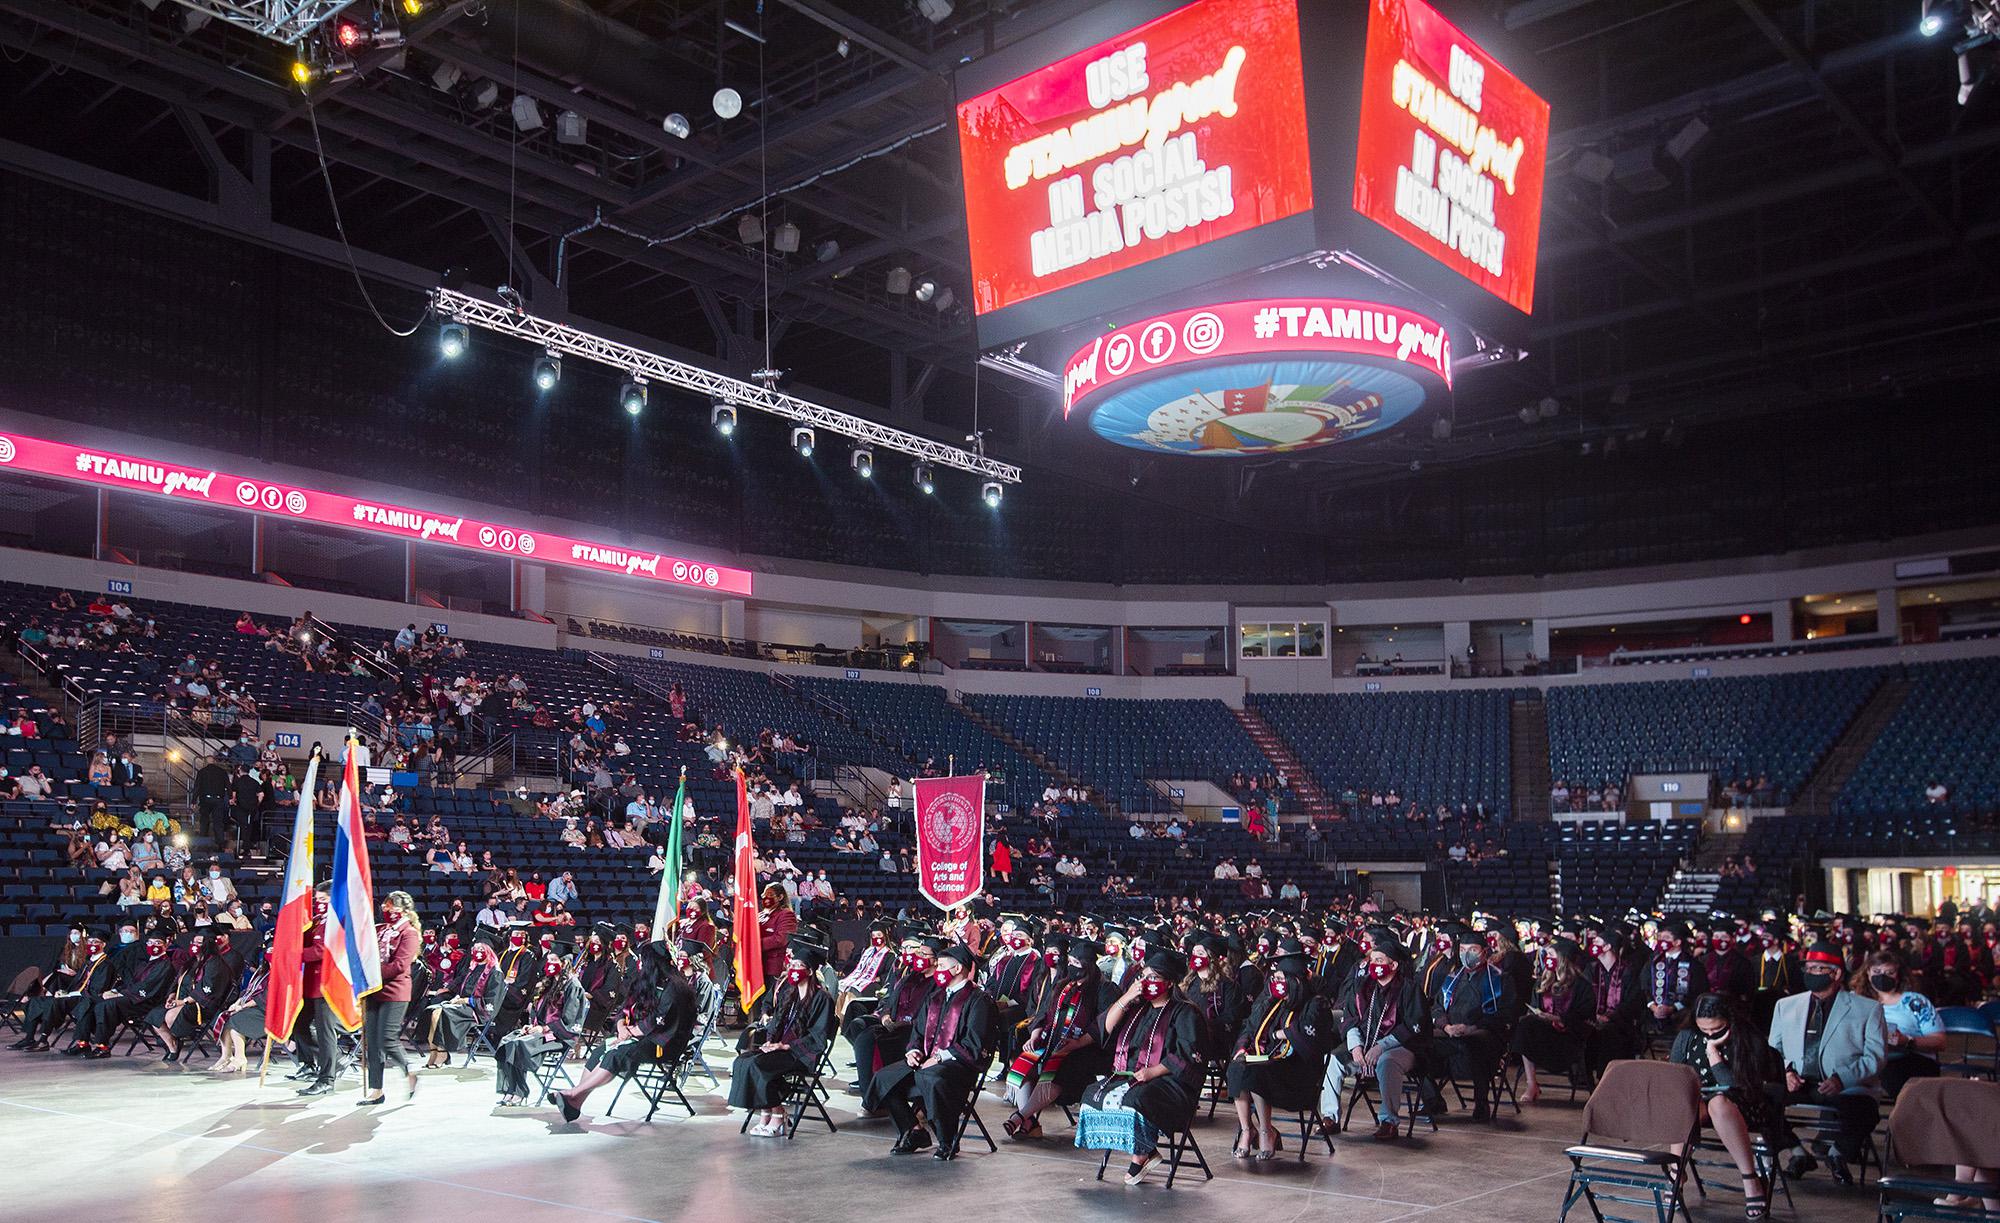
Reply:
x=266, y=1063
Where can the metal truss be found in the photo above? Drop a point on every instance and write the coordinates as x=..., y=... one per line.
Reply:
x=287, y=21
x=646, y=366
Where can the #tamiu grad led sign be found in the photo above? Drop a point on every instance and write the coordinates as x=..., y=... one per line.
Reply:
x=1258, y=377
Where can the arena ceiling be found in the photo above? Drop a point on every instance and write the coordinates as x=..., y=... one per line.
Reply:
x=1830, y=238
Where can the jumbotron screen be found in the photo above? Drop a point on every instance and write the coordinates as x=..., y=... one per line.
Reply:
x=1179, y=132
x=1451, y=149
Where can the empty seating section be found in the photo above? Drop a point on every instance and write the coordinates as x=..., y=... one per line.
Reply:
x=1948, y=731
x=1609, y=867
x=1427, y=747
x=919, y=719
x=1114, y=746
x=1775, y=726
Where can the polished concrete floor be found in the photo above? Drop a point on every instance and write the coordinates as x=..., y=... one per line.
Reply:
x=131, y=1139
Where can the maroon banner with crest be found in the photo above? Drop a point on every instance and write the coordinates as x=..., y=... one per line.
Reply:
x=951, y=838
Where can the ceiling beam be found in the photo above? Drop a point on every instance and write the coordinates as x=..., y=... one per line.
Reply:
x=855, y=30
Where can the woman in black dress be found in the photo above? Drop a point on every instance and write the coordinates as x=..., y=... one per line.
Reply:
x=800, y=1029
x=1737, y=1072
x=1281, y=1056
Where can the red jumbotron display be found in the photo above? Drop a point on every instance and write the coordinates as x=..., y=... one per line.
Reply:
x=1184, y=130
x=109, y=469
x=1451, y=150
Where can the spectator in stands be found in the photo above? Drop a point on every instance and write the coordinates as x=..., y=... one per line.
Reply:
x=1003, y=859
x=562, y=890
x=1913, y=1031
x=113, y=854
x=1936, y=792
x=34, y=784
x=146, y=854
x=439, y=860
x=1135, y=831
x=462, y=861
x=491, y=916
x=216, y=887
x=1226, y=869
x=886, y=863
x=10, y=786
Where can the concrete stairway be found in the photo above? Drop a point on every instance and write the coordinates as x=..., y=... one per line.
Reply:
x=1528, y=746
x=1817, y=796
x=1316, y=802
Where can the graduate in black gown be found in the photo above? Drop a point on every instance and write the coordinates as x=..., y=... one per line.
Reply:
x=1473, y=1010
x=655, y=1024
x=1385, y=1028
x=798, y=1034
x=880, y=1036
x=1280, y=1059
x=1555, y=1030
x=471, y=1001
x=1061, y=1056
x=554, y=1019
x=602, y=976
x=1015, y=980
x=951, y=1042
x=75, y=996
x=1154, y=1038
x=209, y=989
x=138, y=991
x=1210, y=986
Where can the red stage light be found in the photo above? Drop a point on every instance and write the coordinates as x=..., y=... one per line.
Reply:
x=1744, y=618
x=350, y=35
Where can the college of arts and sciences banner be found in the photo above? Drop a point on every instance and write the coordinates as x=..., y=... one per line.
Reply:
x=951, y=838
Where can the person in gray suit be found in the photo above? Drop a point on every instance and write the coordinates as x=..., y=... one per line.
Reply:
x=1832, y=1043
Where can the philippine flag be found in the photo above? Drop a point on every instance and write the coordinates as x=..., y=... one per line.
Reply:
x=352, y=969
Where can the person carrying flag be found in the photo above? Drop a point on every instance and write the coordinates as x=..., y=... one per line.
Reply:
x=400, y=938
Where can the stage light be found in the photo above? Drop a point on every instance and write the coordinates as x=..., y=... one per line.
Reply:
x=1938, y=17
x=632, y=396
x=1528, y=416
x=527, y=115
x=841, y=48
x=991, y=492
x=863, y=463
x=447, y=76
x=935, y=11
x=1549, y=407
x=1744, y=618
x=897, y=281
x=802, y=441
x=944, y=299
x=926, y=289
x=413, y=8
x=194, y=19
x=676, y=125
x=349, y=35
x=173, y=755
x=727, y=102
x=302, y=72
x=750, y=229
x=572, y=128
x=924, y=479
x=453, y=340
x=827, y=250
x=723, y=417
x=785, y=238
x=548, y=371
x=486, y=95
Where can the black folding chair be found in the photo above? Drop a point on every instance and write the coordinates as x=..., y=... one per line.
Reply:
x=971, y=1118
x=552, y=1065
x=1934, y=1124
x=1769, y=1170
x=1361, y=1102
x=1648, y=1164
x=1306, y=1122
x=1182, y=1152
x=802, y=1095
x=481, y=1040
x=1817, y=1128
x=655, y=1080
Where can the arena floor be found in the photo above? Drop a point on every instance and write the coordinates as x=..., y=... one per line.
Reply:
x=131, y=1139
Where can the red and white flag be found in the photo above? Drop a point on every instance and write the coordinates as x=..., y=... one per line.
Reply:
x=951, y=838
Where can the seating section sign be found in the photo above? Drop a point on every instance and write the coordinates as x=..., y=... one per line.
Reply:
x=109, y=469
x=1181, y=131
x=1451, y=149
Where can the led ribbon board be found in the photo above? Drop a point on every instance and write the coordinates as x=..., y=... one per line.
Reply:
x=1451, y=150
x=1258, y=377
x=109, y=469
x=1189, y=128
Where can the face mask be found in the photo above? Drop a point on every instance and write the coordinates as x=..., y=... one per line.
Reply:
x=1818, y=981
x=155, y=950
x=221, y=945
x=1471, y=956
x=94, y=946
x=1381, y=972
x=517, y=940
x=618, y=944
x=796, y=975
x=876, y=939
x=479, y=953
x=389, y=912
x=127, y=936
x=1198, y=962
x=942, y=976
x=550, y=970
x=159, y=883
x=1076, y=969
x=76, y=936
x=1443, y=946
x=1017, y=940
x=1279, y=987
x=430, y=938
x=1883, y=982
x=1671, y=950
x=1049, y=958
x=215, y=874
x=1716, y=1036
x=1152, y=988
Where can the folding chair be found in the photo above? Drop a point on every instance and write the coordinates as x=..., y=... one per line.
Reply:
x=971, y=1118
x=15, y=1000
x=1306, y=1121
x=1638, y=1128
x=803, y=1094
x=481, y=1040
x=1817, y=1126
x=697, y=1058
x=1769, y=1169
x=551, y=1065
x=1941, y=1123
x=1182, y=1152
x=1969, y=1034
x=1361, y=1101
x=1215, y=1086
x=655, y=1079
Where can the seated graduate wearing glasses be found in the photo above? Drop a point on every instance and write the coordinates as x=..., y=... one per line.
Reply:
x=799, y=1031
x=951, y=1042
x=1154, y=1037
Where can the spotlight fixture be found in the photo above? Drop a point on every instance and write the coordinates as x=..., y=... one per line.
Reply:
x=194, y=19
x=750, y=229
x=827, y=250
x=632, y=395
x=936, y=11
x=723, y=417
x=727, y=102
x=676, y=125
x=446, y=76
x=413, y=8
x=1528, y=415
x=1549, y=407
x=486, y=94
x=527, y=115
x=350, y=35
x=785, y=239
x=302, y=72
x=1441, y=429
x=802, y=441
x=863, y=462
x=1938, y=17
x=926, y=289
x=944, y=299
x=548, y=371
x=924, y=479
x=841, y=48
x=572, y=128
x=453, y=340
x=898, y=280
x=991, y=492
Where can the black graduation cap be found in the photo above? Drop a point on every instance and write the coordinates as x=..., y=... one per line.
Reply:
x=1167, y=962
x=885, y=925
x=694, y=946
x=1082, y=948
x=966, y=957
x=488, y=937
x=808, y=951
